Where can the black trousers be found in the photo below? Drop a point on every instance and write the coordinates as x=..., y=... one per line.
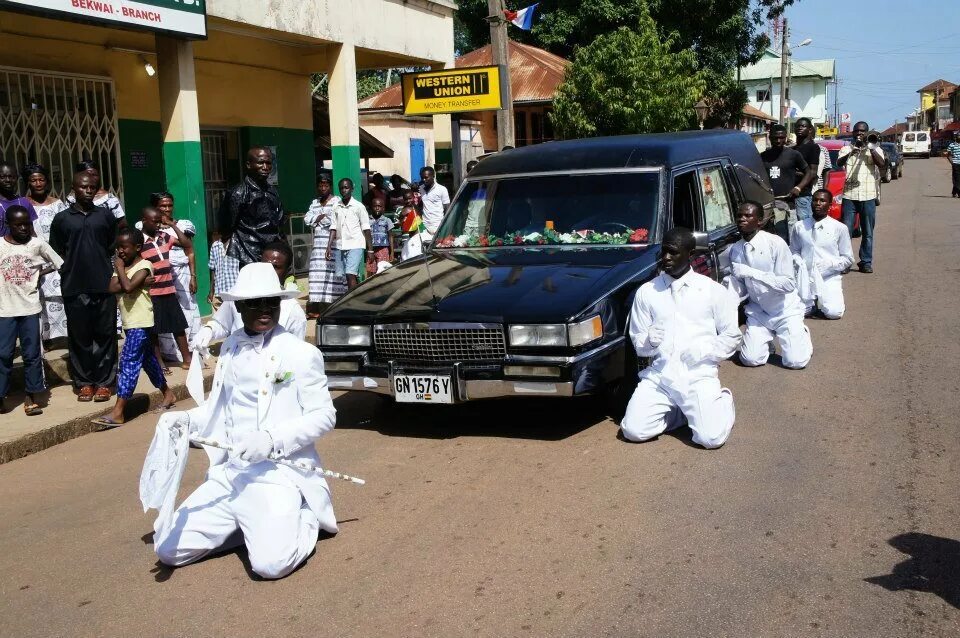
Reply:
x=92, y=338
x=956, y=179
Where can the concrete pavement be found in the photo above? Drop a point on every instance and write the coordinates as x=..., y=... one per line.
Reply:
x=832, y=511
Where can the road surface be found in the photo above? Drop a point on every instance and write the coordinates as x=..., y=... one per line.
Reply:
x=832, y=511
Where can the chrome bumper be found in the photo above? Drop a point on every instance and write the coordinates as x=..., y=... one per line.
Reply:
x=467, y=390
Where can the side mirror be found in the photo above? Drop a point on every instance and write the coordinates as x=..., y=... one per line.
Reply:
x=703, y=242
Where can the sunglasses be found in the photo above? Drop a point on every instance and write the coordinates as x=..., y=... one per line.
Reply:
x=261, y=303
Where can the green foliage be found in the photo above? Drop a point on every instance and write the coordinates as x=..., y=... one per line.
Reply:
x=368, y=82
x=630, y=81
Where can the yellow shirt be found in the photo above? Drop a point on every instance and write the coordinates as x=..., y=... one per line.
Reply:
x=136, y=308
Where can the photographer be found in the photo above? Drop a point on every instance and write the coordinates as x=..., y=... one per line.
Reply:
x=863, y=162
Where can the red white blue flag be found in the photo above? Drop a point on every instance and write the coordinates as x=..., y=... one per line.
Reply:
x=522, y=18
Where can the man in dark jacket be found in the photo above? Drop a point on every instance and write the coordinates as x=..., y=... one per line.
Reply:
x=252, y=210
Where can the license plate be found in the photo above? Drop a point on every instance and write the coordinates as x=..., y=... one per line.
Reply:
x=422, y=388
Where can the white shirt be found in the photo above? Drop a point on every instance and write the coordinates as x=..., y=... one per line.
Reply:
x=699, y=320
x=227, y=319
x=350, y=220
x=240, y=386
x=766, y=265
x=433, y=203
x=863, y=176
x=823, y=245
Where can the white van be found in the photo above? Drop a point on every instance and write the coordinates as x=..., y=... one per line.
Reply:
x=916, y=143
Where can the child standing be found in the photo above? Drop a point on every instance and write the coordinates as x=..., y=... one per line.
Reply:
x=380, y=228
x=224, y=269
x=129, y=283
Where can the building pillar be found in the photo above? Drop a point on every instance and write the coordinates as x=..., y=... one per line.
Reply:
x=182, y=157
x=443, y=138
x=344, y=119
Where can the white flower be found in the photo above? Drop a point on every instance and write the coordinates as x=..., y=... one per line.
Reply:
x=461, y=241
x=532, y=237
x=569, y=238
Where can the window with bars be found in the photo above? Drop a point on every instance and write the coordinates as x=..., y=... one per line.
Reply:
x=58, y=120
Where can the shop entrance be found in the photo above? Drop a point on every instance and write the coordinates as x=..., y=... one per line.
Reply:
x=221, y=164
x=59, y=120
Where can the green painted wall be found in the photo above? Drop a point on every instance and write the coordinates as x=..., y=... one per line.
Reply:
x=346, y=163
x=296, y=166
x=184, y=168
x=141, y=161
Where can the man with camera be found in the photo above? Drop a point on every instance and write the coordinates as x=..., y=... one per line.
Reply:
x=863, y=162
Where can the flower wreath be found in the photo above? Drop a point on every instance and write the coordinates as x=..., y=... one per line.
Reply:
x=549, y=237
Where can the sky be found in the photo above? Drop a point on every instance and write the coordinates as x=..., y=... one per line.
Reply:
x=885, y=50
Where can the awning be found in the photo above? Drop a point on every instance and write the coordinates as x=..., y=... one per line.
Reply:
x=370, y=146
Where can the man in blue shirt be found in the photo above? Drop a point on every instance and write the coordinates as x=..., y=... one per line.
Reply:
x=953, y=155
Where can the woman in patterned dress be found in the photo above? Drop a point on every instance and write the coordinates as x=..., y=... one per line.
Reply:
x=325, y=286
x=53, y=320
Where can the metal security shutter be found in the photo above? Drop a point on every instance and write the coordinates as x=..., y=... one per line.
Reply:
x=58, y=120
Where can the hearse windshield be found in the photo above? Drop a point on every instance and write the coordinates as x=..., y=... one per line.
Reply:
x=598, y=209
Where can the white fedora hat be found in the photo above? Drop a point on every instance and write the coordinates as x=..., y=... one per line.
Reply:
x=256, y=281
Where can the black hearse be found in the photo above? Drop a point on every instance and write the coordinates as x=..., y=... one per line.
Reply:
x=528, y=283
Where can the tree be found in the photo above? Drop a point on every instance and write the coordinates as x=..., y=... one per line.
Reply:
x=628, y=81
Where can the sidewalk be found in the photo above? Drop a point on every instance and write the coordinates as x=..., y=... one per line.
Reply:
x=65, y=418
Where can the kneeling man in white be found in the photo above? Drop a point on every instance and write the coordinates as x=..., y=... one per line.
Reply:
x=823, y=244
x=688, y=324
x=269, y=396
x=762, y=271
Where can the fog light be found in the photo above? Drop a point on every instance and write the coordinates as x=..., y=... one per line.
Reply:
x=531, y=371
x=341, y=366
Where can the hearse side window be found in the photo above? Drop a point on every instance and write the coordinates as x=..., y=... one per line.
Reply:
x=717, y=210
x=685, y=202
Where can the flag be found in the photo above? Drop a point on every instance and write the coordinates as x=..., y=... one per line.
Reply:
x=522, y=18
x=412, y=223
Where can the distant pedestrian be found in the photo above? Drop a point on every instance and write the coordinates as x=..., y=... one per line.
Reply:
x=380, y=227
x=953, y=156
x=350, y=235
x=790, y=176
x=10, y=196
x=223, y=268
x=252, y=210
x=813, y=154
x=326, y=286
x=83, y=235
x=863, y=162
x=103, y=197
x=53, y=319
x=24, y=259
x=434, y=200
x=129, y=284
x=823, y=244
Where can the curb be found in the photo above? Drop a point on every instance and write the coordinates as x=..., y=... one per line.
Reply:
x=77, y=427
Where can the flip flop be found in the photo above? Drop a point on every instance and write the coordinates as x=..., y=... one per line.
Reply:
x=160, y=409
x=32, y=410
x=166, y=371
x=106, y=423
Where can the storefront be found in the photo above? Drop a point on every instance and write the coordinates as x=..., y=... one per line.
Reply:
x=175, y=106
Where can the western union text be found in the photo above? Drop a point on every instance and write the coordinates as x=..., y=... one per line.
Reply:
x=452, y=85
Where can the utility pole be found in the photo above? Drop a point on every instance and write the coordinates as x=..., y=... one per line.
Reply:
x=784, y=63
x=501, y=57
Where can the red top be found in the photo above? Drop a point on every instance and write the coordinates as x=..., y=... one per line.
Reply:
x=156, y=250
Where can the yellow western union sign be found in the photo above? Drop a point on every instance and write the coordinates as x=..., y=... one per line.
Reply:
x=452, y=91
x=826, y=131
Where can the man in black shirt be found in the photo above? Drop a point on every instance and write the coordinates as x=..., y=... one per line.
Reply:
x=83, y=235
x=789, y=174
x=812, y=153
x=252, y=210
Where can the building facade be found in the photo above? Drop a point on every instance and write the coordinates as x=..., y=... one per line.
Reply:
x=806, y=87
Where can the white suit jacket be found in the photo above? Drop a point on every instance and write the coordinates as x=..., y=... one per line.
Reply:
x=294, y=406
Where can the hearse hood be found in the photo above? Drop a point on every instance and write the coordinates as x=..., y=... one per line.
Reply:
x=495, y=285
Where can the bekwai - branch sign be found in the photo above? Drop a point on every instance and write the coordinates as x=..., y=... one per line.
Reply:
x=452, y=91
x=183, y=18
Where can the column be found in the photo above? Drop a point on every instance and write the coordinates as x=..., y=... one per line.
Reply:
x=344, y=119
x=443, y=138
x=182, y=157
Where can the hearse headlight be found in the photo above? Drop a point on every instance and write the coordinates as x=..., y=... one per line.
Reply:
x=332, y=335
x=544, y=335
x=585, y=331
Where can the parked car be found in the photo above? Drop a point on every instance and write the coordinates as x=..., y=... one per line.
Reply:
x=527, y=287
x=836, y=177
x=915, y=143
x=894, y=168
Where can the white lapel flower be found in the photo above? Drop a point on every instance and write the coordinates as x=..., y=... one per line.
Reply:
x=283, y=377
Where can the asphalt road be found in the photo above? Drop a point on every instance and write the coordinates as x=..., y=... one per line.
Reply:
x=832, y=511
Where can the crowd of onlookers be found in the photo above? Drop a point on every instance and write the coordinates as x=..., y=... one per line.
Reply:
x=73, y=272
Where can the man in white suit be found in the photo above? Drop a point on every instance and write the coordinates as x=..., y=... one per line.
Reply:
x=269, y=397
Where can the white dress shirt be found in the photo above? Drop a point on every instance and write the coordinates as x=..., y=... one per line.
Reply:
x=823, y=245
x=227, y=319
x=766, y=276
x=240, y=387
x=434, y=203
x=699, y=320
x=350, y=220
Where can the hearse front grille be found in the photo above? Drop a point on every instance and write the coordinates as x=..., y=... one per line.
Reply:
x=439, y=342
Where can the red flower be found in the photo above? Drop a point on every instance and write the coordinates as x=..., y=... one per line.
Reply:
x=499, y=242
x=518, y=239
x=484, y=241
x=445, y=242
x=639, y=236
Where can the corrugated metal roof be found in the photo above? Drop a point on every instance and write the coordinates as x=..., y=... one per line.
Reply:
x=535, y=75
x=944, y=86
x=770, y=68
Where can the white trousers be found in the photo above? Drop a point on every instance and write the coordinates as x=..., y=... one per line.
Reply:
x=278, y=528
x=829, y=298
x=796, y=348
x=655, y=408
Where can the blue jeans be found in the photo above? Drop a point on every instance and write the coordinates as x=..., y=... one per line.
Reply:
x=804, y=206
x=27, y=330
x=868, y=218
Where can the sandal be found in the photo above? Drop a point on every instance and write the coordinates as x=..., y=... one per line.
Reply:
x=32, y=409
x=105, y=423
x=163, y=407
x=86, y=394
x=166, y=371
x=101, y=395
